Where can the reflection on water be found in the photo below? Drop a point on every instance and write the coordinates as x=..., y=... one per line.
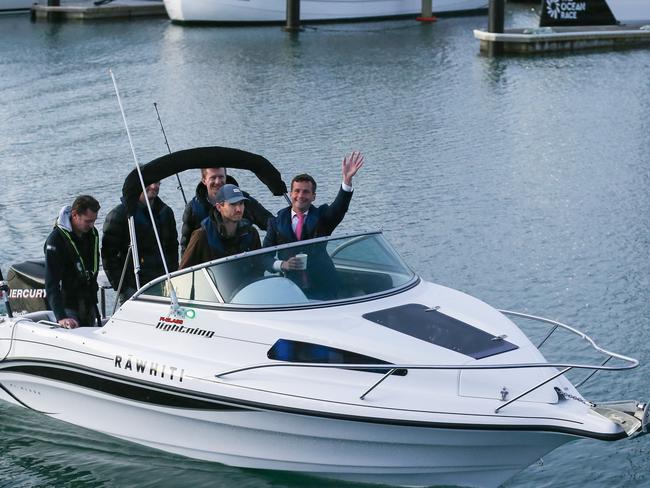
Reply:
x=521, y=180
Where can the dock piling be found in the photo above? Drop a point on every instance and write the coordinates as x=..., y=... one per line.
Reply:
x=496, y=21
x=293, y=16
x=427, y=12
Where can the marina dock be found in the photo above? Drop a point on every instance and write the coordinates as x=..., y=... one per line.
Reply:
x=89, y=11
x=548, y=39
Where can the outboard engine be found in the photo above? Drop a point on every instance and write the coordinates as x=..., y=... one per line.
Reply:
x=27, y=287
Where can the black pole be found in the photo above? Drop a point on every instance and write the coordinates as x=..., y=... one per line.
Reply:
x=496, y=21
x=4, y=289
x=293, y=16
x=180, y=185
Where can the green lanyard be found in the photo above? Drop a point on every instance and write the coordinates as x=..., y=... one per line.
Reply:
x=95, y=250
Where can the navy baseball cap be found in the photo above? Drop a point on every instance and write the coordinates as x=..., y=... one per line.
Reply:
x=230, y=193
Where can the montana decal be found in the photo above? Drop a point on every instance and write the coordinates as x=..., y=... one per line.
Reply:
x=152, y=368
x=169, y=324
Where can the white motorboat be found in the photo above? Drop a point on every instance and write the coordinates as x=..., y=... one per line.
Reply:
x=357, y=369
x=15, y=6
x=555, y=13
x=274, y=11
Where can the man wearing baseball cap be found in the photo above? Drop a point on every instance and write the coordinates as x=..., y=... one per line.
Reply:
x=197, y=209
x=224, y=232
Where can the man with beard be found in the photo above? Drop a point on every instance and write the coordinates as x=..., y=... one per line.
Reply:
x=197, y=209
x=116, y=240
x=72, y=263
x=225, y=232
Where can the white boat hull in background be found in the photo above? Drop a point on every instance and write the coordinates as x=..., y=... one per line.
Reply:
x=12, y=6
x=250, y=11
x=630, y=11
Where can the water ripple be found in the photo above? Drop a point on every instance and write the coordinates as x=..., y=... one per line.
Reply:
x=521, y=180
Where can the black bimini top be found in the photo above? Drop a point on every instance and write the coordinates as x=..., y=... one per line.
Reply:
x=201, y=157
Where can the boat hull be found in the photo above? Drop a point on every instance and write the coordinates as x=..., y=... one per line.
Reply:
x=14, y=6
x=236, y=435
x=274, y=11
x=218, y=384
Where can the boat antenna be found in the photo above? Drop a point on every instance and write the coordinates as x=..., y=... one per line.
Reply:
x=172, y=293
x=162, y=128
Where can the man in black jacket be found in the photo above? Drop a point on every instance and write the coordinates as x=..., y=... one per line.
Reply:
x=71, y=264
x=303, y=220
x=116, y=240
x=197, y=209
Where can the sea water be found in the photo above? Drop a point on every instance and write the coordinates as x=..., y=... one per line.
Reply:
x=523, y=181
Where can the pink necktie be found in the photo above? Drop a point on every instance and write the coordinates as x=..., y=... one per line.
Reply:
x=303, y=274
x=301, y=220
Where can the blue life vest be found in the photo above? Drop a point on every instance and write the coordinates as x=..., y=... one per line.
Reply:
x=198, y=209
x=214, y=238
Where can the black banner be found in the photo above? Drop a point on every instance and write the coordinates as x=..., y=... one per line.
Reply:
x=557, y=13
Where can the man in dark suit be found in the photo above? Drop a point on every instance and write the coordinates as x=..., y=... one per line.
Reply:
x=303, y=220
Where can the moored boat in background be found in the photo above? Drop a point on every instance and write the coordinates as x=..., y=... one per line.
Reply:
x=15, y=6
x=274, y=11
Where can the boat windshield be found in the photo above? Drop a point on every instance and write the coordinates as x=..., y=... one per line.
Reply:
x=343, y=268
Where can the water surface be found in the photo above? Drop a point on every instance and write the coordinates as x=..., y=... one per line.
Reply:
x=522, y=180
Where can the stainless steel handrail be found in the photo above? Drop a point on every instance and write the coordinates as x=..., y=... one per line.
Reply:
x=632, y=363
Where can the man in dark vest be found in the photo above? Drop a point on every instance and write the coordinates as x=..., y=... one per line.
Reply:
x=224, y=232
x=116, y=240
x=303, y=220
x=197, y=209
x=71, y=264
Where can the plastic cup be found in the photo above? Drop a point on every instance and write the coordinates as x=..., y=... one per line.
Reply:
x=303, y=260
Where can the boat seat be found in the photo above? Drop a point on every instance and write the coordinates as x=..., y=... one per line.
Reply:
x=272, y=290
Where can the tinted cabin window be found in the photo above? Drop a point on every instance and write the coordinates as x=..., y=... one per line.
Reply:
x=442, y=330
x=306, y=352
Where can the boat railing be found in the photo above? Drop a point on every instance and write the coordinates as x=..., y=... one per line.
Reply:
x=629, y=363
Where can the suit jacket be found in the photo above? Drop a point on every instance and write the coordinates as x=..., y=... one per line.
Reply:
x=322, y=280
x=320, y=221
